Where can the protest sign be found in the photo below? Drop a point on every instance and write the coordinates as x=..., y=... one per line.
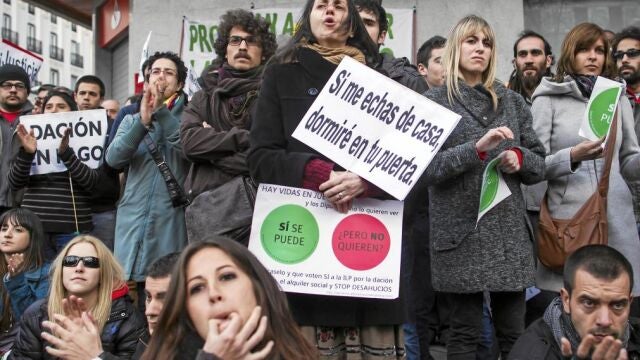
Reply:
x=375, y=127
x=191, y=86
x=88, y=132
x=494, y=188
x=599, y=113
x=311, y=248
x=143, y=57
x=11, y=53
x=198, y=36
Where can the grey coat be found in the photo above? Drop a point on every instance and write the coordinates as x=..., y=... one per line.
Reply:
x=557, y=111
x=495, y=255
x=634, y=186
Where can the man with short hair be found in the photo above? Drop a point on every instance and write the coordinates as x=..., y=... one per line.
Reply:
x=590, y=319
x=374, y=17
x=38, y=104
x=429, y=60
x=112, y=106
x=626, y=52
x=155, y=291
x=89, y=92
x=14, y=92
x=532, y=60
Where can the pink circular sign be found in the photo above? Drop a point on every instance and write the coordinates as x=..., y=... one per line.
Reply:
x=360, y=242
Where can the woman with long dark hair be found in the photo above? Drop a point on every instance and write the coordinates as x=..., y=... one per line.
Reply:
x=224, y=303
x=494, y=254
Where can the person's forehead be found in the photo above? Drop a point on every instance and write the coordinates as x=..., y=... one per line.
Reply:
x=628, y=43
x=85, y=86
x=238, y=30
x=590, y=285
x=530, y=43
x=156, y=285
x=13, y=81
x=164, y=63
x=367, y=14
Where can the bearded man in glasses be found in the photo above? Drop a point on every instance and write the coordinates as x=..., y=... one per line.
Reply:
x=215, y=126
x=14, y=91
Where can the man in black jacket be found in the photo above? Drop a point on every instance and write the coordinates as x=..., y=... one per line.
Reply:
x=590, y=319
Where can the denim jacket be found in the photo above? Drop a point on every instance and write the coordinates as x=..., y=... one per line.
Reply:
x=25, y=288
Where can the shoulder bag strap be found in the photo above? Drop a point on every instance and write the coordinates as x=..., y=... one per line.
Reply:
x=603, y=184
x=177, y=194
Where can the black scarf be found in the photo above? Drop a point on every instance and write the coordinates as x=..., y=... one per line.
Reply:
x=585, y=84
x=233, y=95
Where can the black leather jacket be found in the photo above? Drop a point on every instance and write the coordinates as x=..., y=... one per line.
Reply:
x=119, y=336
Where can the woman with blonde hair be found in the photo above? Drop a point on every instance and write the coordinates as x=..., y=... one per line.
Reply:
x=575, y=165
x=87, y=287
x=493, y=254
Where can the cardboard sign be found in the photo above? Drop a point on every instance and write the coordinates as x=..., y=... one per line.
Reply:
x=11, y=53
x=599, y=113
x=375, y=127
x=311, y=248
x=88, y=133
x=198, y=36
x=494, y=188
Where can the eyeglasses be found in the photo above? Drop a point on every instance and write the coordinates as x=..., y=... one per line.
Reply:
x=88, y=261
x=632, y=54
x=166, y=72
x=251, y=40
x=8, y=86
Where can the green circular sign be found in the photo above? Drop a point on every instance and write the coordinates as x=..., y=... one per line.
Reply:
x=289, y=234
x=490, y=189
x=601, y=111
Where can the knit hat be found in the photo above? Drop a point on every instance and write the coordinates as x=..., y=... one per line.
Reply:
x=14, y=73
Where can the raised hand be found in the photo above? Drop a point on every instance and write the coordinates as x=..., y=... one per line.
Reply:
x=608, y=349
x=27, y=139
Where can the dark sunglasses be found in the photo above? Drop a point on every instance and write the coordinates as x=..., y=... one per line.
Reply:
x=632, y=54
x=88, y=261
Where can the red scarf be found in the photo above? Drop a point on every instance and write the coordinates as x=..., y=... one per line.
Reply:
x=633, y=97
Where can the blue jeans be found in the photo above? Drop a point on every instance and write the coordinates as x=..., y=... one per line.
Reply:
x=104, y=227
x=55, y=242
x=411, y=344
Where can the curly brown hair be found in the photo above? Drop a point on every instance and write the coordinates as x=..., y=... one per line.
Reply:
x=250, y=23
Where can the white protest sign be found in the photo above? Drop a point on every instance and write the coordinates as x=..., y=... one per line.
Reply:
x=494, y=188
x=143, y=57
x=198, y=36
x=599, y=113
x=11, y=53
x=88, y=132
x=375, y=127
x=192, y=85
x=311, y=248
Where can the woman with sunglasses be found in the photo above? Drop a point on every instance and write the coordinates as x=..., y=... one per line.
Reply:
x=88, y=296
x=574, y=164
x=24, y=273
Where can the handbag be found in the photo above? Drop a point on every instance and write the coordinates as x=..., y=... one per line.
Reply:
x=176, y=193
x=226, y=211
x=558, y=238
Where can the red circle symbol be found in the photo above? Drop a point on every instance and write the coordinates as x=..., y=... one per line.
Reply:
x=360, y=242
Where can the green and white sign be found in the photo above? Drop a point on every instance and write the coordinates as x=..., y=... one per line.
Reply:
x=494, y=188
x=198, y=36
x=599, y=113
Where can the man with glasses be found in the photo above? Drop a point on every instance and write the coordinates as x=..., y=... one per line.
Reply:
x=14, y=91
x=150, y=218
x=215, y=125
x=532, y=59
x=626, y=53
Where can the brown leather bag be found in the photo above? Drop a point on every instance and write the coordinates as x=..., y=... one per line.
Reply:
x=558, y=238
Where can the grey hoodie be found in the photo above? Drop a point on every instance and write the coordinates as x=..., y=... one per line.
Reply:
x=557, y=112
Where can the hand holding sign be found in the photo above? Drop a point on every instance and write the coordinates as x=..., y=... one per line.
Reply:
x=587, y=150
x=492, y=138
x=27, y=139
x=342, y=187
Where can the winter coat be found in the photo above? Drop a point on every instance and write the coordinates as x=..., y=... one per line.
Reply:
x=119, y=336
x=217, y=155
x=496, y=254
x=9, y=145
x=287, y=92
x=538, y=343
x=26, y=288
x=634, y=186
x=401, y=70
x=147, y=225
x=557, y=111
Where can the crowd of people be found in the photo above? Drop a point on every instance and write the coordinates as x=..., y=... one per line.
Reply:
x=157, y=228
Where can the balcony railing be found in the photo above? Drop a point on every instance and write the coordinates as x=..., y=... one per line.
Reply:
x=56, y=53
x=10, y=35
x=77, y=60
x=34, y=45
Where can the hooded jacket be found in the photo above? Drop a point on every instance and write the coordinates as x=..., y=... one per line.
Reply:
x=557, y=112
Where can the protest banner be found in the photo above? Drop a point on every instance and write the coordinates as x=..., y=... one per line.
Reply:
x=375, y=127
x=143, y=57
x=599, y=113
x=311, y=248
x=88, y=132
x=11, y=53
x=494, y=188
x=198, y=36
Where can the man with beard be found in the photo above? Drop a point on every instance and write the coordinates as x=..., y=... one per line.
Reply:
x=626, y=52
x=532, y=59
x=14, y=90
x=216, y=124
x=590, y=319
